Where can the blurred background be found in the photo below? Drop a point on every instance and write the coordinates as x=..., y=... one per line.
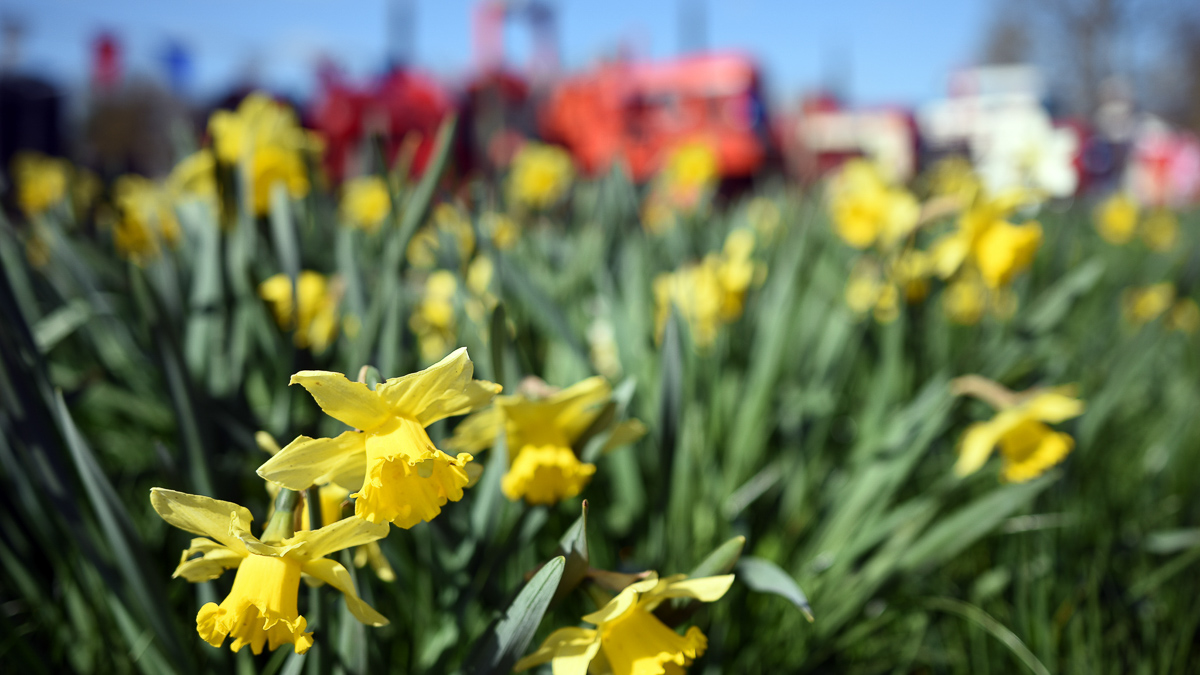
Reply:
x=794, y=86
x=666, y=195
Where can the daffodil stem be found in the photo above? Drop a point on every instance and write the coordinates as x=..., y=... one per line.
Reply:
x=282, y=524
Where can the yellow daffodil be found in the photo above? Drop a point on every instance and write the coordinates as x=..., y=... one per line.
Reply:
x=273, y=165
x=1184, y=316
x=602, y=348
x=85, y=190
x=1145, y=304
x=986, y=240
x=1116, y=218
x=690, y=171
x=261, y=608
x=41, y=181
x=147, y=219
x=450, y=221
x=711, y=293
x=866, y=210
x=954, y=177
x=501, y=229
x=265, y=138
x=695, y=291
x=366, y=202
x=1160, y=230
x=480, y=298
x=657, y=215
x=628, y=639
x=1003, y=250
x=543, y=467
x=316, y=323
x=910, y=272
x=965, y=299
x=540, y=175
x=764, y=216
x=1027, y=444
x=399, y=475
x=863, y=288
x=194, y=177
x=434, y=321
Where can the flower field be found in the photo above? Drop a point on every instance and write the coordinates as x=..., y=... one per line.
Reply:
x=567, y=423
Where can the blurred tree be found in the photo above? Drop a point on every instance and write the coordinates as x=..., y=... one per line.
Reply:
x=1008, y=39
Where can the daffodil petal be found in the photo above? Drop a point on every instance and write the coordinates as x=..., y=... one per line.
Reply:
x=345, y=533
x=979, y=441
x=704, y=589
x=439, y=391
x=213, y=561
x=315, y=461
x=624, y=600
x=477, y=432
x=571, y=650
x=332, y=573
x=412, y=393
x=475, y=395
x=349, y=402
x=624, y=433
x=1054, y=407
x=205, y=516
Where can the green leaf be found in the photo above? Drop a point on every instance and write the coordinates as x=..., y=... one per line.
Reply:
x=118, y=529
x=671, y=399
x=1052, y=306
x=765, y=576
x=958, y=530
x=721, y=560
x=57, y=325
x=509, y=637
x=998, y=630
x=498, y=339
x=485, y=512
x=283, y=233
x=574, y=546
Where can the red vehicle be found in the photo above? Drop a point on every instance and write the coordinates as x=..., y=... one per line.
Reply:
x=636, y=113
x=400, y=103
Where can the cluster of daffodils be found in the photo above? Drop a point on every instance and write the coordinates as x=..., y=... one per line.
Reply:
x=711, y=293
x=264, y=138
x=978, y=258
x=869, y=212
x=448, y=237
x=1020, y=429
x=1143, y=304
x=43, y=183
x=1119, y=218
x=309, y=307
x=145, y=219
x=435, y=319
x=683, y=185
x=388, y=466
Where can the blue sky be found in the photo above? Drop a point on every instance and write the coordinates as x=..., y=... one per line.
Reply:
x=885, y=52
